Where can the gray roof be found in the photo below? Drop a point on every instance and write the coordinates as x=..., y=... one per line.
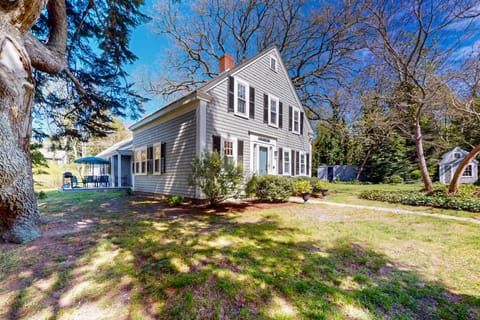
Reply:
x=200, y=92
x=124, y=145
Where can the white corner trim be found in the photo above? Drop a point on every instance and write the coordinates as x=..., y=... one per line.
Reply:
x=201, y=134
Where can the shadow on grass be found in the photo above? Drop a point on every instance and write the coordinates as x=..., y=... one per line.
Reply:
x=179, y=265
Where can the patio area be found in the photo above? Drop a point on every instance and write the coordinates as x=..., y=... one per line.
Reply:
x=99, y=177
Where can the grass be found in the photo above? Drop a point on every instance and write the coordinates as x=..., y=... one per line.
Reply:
x=120, y=259
x=348, y=193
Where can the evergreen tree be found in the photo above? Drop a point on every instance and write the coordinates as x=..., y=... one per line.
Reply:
x=71, y=63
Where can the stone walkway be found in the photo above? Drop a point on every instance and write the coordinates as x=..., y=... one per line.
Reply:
x=390, y=210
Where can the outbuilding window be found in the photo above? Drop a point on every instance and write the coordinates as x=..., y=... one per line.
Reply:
x=468, y=171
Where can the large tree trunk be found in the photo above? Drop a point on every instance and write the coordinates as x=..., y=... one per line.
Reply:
x=455, y=183
x=19, y=50
x=427, y=181
x=18, y=208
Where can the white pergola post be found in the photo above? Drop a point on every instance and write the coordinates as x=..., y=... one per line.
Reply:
x=119, y=167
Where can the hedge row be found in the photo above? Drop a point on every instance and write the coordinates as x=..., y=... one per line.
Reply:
x=278, y=188
x=436, y=200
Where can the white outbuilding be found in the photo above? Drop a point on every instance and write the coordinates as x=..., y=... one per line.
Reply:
x=449, y=163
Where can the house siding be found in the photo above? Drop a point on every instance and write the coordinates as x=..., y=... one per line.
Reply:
x=265, y=81
x=179, y=134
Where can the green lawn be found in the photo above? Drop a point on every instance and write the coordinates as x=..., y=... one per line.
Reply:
x=113, y=256
x=348, y=193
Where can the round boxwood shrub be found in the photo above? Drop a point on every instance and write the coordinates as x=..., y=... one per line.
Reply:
x=273, y=188
x=395, y=179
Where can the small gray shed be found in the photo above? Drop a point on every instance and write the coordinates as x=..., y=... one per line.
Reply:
x=449, y=163
x=337, y=172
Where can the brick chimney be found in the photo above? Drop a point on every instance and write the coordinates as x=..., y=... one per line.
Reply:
x=225, y=62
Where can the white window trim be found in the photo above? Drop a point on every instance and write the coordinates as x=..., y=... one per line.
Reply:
x=276, y=63
x=144, y=148
x=293, y=120
x=247, y=98
x=287, y=150
x=465, y=171
x=234, y=140
x=159, y=171
x=304, y=172
x=254, y=159
x=270, y=98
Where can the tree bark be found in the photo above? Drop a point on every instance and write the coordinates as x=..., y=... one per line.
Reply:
x=364, y=162
x=455, y=183
x=18, y=207
x=427, y=181
x=19, y=215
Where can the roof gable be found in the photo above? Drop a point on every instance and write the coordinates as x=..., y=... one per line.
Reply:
x=271, y=51
x=449, y=157
x=200, y=93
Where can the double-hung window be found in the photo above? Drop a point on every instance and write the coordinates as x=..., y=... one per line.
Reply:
x=228, y=153
x=303, y=165
x=157, y=151
x=286, y=162
x=140, y=166
x=241, y=98
x=296, y=121
x=273, y=105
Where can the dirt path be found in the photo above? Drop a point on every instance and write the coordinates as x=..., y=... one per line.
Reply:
x=390, y=210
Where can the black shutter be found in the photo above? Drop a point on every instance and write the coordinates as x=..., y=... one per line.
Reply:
x=280, y=161
x=297, y=163
x=290, y=114
x=150, y=160
x=216, y=144
x=240, y=152
x=280, y=115
x=301, y=122
x=231, y=98
x=252, y=103
x=307, y=164
x=265, y=108
x=163, y=158
x=292, y=161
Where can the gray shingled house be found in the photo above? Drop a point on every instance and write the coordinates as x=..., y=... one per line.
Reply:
x=250, y=113
x=449, y=163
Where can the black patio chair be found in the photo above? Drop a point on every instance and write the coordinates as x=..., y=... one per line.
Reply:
x=87, y=180
x=75, y=182
x=103, y=181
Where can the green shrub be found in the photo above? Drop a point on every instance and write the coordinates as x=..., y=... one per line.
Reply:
x=251, y=186
x=174, y=201
x=216, y=176
x=395, y=179
x=302, y=186
x=274, y=188
x=321, y=184
x=129, y=192
x=437, y=199
x=416, y=174
x=41, y=195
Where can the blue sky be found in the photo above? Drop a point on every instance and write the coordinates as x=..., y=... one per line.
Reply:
x=147, y=46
